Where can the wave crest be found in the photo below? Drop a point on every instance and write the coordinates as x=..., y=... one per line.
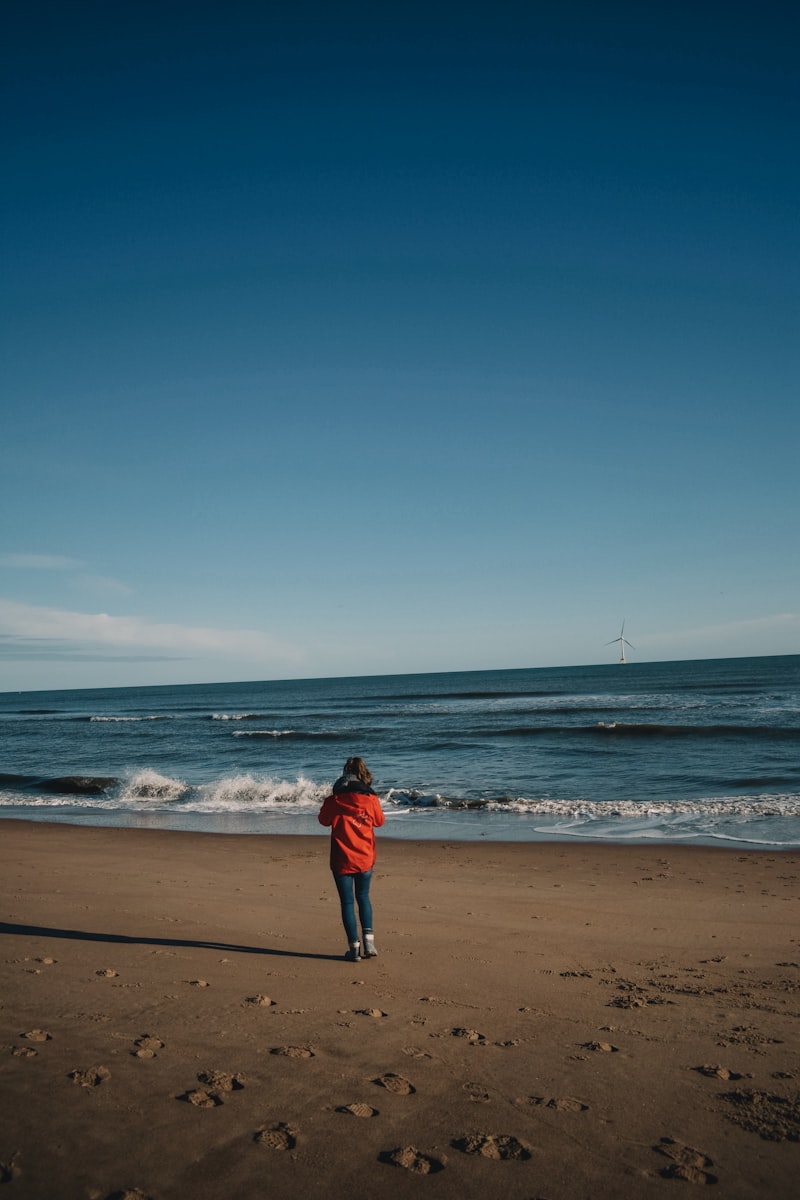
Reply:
x=124, y=720
x=247, y=793
x=149, y=785
x=715, y=806
x=330, y=735
x=248, y=716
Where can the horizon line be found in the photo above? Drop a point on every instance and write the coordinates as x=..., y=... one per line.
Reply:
x=390, y=674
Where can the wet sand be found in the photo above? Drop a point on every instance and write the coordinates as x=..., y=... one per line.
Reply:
x=543, y=1020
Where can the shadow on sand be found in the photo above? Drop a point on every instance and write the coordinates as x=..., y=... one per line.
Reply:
x=125, y=940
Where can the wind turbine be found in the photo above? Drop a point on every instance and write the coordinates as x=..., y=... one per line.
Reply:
x=623, y=641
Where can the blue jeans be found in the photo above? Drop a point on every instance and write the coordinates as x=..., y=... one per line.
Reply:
x=354, y=889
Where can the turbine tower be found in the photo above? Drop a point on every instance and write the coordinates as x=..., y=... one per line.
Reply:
x=623, y=642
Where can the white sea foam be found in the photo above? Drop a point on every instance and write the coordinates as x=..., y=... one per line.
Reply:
x=235, y=716
x=120, y=720
x=742, y=830
x=150, y=791
x=248, y=793
x=414, y=799
x=260, y=733
x=762, y=821
x=22, y=803
x=719, y=806
x=149, y=785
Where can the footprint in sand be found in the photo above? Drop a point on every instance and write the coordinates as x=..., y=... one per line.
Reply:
x=147, y=1046
x=469, y=1035
x=277, y=1137
x=558, y=1103
x=687, y=1164
x=413, y=1160
x=221, y=1081
x=715, y=1071
x=603, y=1047
x=476, y=1092
x=749, y=1036
x=22, y=1051
x=91, y=1078
x=37, y=1035
x=259, y=1001
x=773, y=1117
x=492, y=1145
x=358, y=1110
x=200, y=1098
x=107, y=973
x=198, y=983
x=293, y=1051
x=370, y=1012
x=395, y=1083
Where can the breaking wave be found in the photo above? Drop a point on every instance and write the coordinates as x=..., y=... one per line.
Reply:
x=149, y=785
x=765, y=819
x=239, y=716
x=123, y=720
x=779, y=805
x=248, y=793
x=299, y=734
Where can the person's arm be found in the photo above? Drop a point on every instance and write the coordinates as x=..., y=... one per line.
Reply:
x=328, y=811
x=378, y=815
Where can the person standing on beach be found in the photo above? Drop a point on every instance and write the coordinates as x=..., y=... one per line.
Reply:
x=352, y=812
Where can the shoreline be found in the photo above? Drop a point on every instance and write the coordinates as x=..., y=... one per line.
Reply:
x=544, y=1018
x=430, y=825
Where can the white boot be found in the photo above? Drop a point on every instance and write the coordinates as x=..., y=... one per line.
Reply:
x=369, y=946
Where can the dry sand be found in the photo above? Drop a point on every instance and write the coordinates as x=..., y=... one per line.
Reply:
x=543, y=1021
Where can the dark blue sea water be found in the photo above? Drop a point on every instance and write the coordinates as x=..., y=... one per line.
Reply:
x=704, y=751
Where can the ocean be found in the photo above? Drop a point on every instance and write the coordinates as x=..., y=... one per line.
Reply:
x=704, y=751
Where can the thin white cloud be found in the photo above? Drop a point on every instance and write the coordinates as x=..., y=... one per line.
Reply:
x=40, y=562
x=103, y=583
x=88, y=581
x=100, y=630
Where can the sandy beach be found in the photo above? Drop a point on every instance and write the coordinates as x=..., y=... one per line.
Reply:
x=543, y=1020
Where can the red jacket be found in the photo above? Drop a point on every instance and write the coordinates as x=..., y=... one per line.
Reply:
x=352, y=817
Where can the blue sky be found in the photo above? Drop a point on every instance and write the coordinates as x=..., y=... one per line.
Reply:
x=347, y=341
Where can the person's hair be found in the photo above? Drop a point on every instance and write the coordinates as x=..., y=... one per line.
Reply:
x=357, y=767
